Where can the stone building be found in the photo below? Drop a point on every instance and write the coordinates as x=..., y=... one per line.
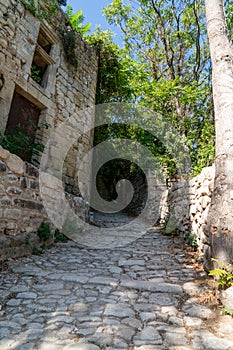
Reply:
x=47, y=75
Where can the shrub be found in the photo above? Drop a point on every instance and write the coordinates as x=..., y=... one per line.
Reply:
x=59, y=237
x=44, y=232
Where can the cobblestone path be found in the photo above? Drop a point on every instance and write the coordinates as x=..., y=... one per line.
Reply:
x=143, y=296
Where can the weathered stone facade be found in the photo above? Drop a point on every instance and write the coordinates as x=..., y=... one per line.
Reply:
x=63, y=91
x=21, y=206
x=189, y=203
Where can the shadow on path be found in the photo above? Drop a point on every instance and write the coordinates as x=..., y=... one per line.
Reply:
x=143, y=296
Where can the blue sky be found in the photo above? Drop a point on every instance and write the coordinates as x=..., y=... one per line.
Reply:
x=92, y=11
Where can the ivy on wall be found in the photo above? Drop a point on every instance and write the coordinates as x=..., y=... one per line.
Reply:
x=68, y=38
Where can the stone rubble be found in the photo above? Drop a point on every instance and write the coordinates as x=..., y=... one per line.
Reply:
x=142, y=296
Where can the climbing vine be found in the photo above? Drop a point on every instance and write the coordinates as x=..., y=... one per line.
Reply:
x=115, y=69
x=68, y=39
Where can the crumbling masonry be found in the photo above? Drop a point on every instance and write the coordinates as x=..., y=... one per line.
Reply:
x=38, y=84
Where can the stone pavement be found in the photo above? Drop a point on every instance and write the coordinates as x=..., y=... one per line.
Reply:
x=143, y=296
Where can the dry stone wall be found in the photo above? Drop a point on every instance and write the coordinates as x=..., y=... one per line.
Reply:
x=20, y=200
x=22, y=208
x=189, y=203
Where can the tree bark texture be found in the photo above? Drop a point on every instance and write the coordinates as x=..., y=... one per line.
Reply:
x=219, y=228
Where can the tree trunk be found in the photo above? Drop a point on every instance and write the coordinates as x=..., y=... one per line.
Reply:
x=219, y=227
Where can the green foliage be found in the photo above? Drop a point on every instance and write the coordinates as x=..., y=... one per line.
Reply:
x=46, y=12
x=169, y=35
x=170, y=69
x=76, y=20
x=228, y=5
x=164, y=66
x=204, y=153
x=59, y=237
x=44, y=232
x=37, y=251
x=69, y=44
x=19, y=142
x=116, y=170
x=36, y=73
x=69, y=36
x=27, y=241
x=224, y=274
x=192, y=241
x=30, y=6
x=114, y=69
x=227, y=311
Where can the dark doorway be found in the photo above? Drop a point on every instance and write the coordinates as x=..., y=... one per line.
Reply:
x=21, y=126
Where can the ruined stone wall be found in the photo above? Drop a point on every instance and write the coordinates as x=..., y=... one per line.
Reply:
x=21, y=205
x=21, y=208
x=65, y=92
x=189, y=203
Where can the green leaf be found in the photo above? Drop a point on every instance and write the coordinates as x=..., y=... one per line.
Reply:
x=218, y=272
x=219, y=262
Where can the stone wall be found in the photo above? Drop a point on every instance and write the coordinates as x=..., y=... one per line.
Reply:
x=189, y=203
x=64, y=92
x=21, y=206
x=149, y=200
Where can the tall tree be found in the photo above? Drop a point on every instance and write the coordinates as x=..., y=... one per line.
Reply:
x=220, y=220
x=168, y=42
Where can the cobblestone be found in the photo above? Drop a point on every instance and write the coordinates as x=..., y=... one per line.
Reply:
x=74, y=297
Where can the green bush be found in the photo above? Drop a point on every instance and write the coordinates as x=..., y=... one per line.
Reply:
x=47, y=12
x=44, y=232
x=192, y=241
x=37, y=251
x=68, y=39
x=59, y=237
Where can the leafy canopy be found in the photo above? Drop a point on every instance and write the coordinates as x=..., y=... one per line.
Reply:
x=170, y=67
